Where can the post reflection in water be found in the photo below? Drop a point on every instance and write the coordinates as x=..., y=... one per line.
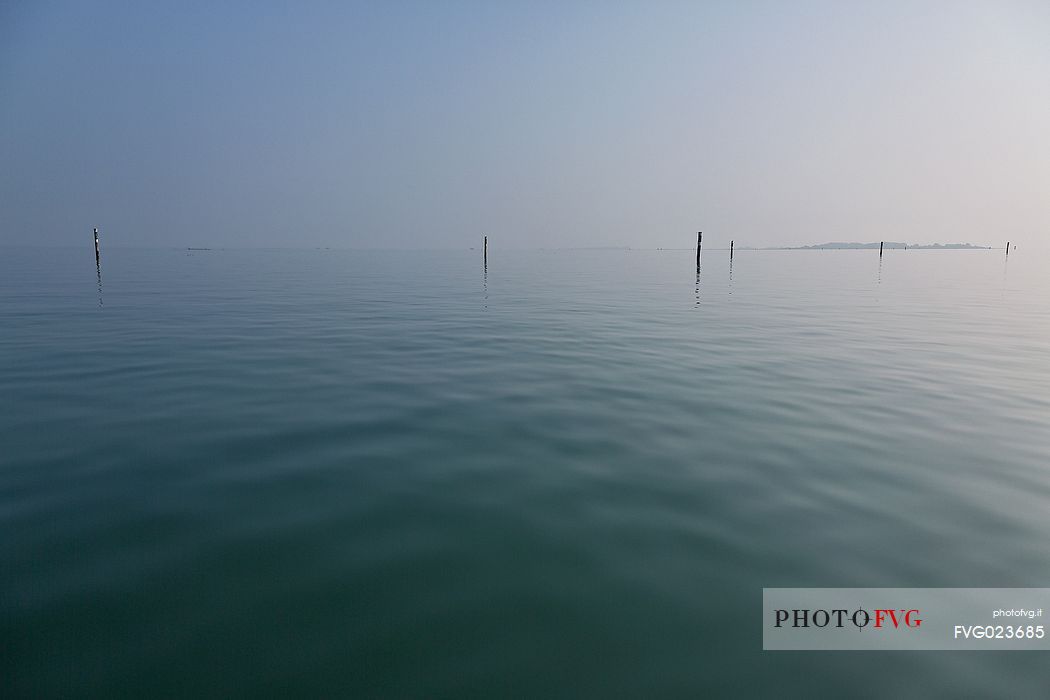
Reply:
x=697, y=286
x=98, y=273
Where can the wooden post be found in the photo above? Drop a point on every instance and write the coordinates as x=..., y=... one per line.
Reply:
x=1008, y=249
x=730, y=250
x=880, y=247
x=486, y=250
x=96, y=248
x=699, y=242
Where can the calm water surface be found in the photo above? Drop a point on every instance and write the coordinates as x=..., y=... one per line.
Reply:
x=243, y=473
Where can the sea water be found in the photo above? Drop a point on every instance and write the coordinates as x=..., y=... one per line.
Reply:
x=568, y=473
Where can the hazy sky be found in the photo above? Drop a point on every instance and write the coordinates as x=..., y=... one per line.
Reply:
x=430, y=124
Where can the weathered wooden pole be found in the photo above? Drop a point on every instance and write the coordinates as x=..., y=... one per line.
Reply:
x=881, y=243
x=730, y=250
x=486, y=250
x=699, y=243
x=1008, y=249
x=96, y=248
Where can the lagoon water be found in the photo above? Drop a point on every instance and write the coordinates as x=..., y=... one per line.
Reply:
x=397, y=474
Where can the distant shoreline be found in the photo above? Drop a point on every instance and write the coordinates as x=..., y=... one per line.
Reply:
x=888, y=245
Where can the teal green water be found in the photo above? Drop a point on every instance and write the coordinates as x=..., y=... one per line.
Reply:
x=394, y=474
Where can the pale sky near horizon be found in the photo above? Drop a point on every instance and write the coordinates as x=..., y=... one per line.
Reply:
x=543, y=124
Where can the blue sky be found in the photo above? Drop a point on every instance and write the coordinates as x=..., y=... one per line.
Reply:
x=430, y=124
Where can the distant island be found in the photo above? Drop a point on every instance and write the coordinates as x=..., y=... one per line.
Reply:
x=887, y=244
